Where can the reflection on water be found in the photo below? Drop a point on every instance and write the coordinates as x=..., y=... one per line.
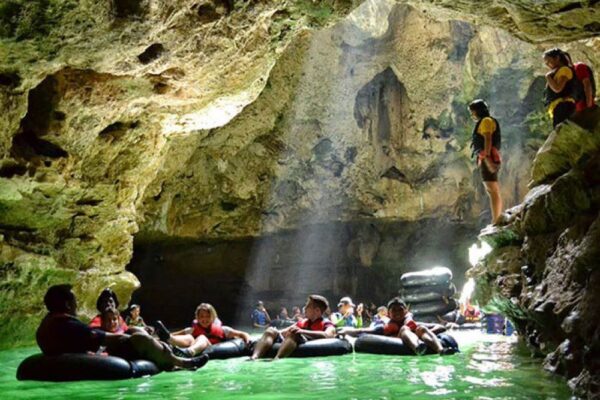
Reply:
x=487, y=368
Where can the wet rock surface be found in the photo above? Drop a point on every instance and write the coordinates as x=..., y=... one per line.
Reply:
x=552, y=299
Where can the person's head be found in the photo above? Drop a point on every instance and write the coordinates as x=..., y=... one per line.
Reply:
x=296, y=310
x=260, y=305
x=556, y=58
x=107, y=298
x=61, y=299
x=479, y=109
x=345, y=304
x=382, y=311
x=205, y=314
x=134, y=311
x=110, y=319
x=283, y=313
x=397, y=309
x=315, y=306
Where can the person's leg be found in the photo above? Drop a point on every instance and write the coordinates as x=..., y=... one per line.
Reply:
x=429, y=338
x=148, y=348
x=562, y=112
x=265, y=343
x=199, y=345
x=409, y=338
x=181, y=340
x=288, y=346
x=493, y=190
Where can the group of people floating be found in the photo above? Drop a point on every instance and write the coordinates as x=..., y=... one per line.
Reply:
x=60, y=332
x=570, y=89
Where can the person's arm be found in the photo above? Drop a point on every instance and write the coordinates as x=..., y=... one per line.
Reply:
x=231, y=333
x=587, y=89
x=329, y=332
x=557, y=82
x=359, y=313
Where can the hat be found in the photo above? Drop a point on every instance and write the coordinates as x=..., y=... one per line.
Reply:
x=346, y=301
x=396, y=300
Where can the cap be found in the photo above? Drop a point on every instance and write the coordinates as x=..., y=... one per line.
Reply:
x=346, y=301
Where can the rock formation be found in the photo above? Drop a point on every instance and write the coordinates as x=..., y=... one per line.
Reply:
x=543, y=271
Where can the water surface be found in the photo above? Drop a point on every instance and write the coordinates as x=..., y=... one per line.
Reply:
x=489, y=367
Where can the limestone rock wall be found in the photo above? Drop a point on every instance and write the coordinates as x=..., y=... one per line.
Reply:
x=544, y=270
x=91, y=94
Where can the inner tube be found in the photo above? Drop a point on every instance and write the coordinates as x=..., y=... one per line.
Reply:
x=445, y=289
x=423, y=297
x=227, y=349
x=379, y=344
x=80, y=366
x=282, y=323
x=433, y=307
x=433, y=276
x=317, y=348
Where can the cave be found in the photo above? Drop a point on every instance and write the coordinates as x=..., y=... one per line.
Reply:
x=250, y=154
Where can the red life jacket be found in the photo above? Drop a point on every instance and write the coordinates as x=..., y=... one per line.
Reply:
x=392, y=328
x=319, y=324
x=214, y=333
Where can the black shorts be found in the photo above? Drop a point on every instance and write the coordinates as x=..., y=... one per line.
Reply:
x=486, y=174
x=562, y=112
x=124, y=349
x=301, y=339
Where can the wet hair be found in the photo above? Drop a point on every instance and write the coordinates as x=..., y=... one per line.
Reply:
x=396, y=301
x=480, y=107
x=209, y=308
x=106, y=294
x=320, y=301
x=108, y=310
x=563, y=56
x=57, y=296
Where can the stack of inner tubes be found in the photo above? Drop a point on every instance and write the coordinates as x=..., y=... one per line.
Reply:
x=429, y=293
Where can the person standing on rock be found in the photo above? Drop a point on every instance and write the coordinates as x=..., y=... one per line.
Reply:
x=559, y=95
x=486, y=140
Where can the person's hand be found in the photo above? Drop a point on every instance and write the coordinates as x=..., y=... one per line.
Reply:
x=294, y=329
x=246, y=338
x=343, y=331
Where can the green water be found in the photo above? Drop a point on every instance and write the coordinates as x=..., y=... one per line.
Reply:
x=489, y=367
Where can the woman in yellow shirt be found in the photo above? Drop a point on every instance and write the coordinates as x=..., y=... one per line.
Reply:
x=560, y=86
x=486, y=141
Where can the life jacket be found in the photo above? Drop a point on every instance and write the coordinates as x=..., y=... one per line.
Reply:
x=568, y=90
x=319, y=324
x=214, y=333
x=478, y=141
